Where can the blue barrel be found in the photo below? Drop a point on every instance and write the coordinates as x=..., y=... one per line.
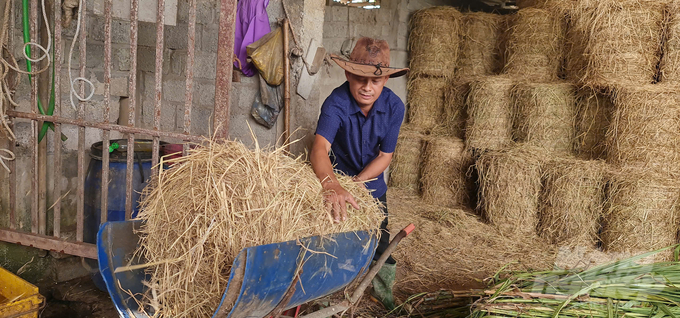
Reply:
x=116, y=187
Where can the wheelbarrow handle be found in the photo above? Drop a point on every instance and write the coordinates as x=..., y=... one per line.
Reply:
x=345, y=304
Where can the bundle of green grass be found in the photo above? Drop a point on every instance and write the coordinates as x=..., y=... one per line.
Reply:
x=217, y=200
x=626, y=288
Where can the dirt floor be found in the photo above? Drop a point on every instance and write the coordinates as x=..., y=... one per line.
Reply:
x=78, y=298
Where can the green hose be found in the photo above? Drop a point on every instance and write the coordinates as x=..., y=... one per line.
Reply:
x=50, y=110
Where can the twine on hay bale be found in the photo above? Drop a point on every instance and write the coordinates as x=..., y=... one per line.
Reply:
x=219, y=199
x=509, y=185
x=641, y=211
x=480, y=44
x=571, y=201
x=544, y=115
x=445, y=164
x=489, y=124
x=455, y=112
x=405, y=167
x=670, y=61
x=434, y=41
x=426, y=102
x=535, y=45
x=645, y=127
x=593, y=115
x=615, y=42
x=454, y=249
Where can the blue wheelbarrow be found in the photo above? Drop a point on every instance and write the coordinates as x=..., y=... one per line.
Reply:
x=264, y=281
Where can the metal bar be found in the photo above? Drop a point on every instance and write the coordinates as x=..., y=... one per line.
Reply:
x=134, y=11
x=34, y=125
x=57, y=126
x=49, y=243
x=286, y=88
x=225, y=43
x=80, y=207
x=43, y=80
x=158, y=96
x=108, y=4
x=104, y=126
x=189, y=94
x=12, y=143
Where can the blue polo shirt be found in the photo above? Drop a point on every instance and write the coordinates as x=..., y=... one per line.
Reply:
x=357, y=139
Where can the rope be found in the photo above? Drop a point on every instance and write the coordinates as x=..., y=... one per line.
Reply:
x=70, y=54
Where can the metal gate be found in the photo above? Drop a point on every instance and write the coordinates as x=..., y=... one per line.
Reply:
x=38, y=214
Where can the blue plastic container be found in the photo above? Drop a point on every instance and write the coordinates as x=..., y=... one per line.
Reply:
x=117, y=185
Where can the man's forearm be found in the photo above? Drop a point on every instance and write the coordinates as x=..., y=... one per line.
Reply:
x=375, y=167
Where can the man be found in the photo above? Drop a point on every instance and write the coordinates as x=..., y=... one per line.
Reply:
x=359, y=124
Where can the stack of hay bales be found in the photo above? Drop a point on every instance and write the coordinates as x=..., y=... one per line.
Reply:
x=202, y=212
x=434, y=45
x=578, y=141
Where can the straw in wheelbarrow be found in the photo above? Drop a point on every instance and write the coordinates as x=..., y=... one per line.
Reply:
x=223, y=197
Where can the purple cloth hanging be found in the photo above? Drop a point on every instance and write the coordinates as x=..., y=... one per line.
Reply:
x=252, y=23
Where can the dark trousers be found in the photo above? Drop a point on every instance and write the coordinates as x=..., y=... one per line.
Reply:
x=384, y=234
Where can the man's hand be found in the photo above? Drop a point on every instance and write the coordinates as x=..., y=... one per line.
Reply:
x=336, y=198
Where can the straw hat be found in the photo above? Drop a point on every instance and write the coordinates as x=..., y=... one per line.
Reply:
x=370, y=58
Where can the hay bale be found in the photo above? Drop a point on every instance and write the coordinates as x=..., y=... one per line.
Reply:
x=445, y=165
x=509, y=186
x=544, y=115
x=615, y=42
x=534, y=46
x=455, y=112
x=219, y=199
x=644, y=128
x=641, y=211
x=434, y=41
x=405, y=166
x=454, y=249
x=593, y=115
x=670, y=60
x=426, y=102
x=571, y=202
x=489, y=124
x=479, y=48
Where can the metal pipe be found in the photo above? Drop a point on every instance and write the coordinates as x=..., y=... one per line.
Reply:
x=158, y=96
x=34, y=125
x=107, y=111
x=189, y=94
x=225, y=54
x=80, y=205
x=12, y=145
x=104, y=126
x=286, y=87
x=134, y=11
x=57, y=126
x=49, y=243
